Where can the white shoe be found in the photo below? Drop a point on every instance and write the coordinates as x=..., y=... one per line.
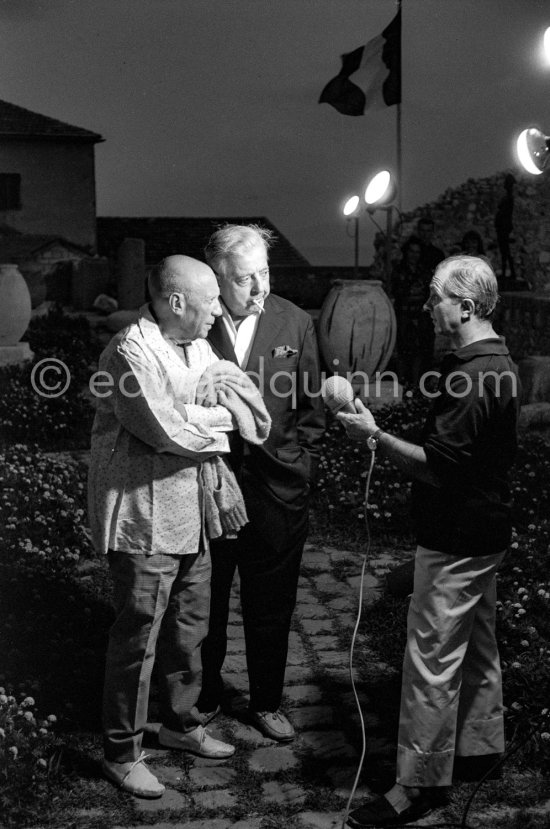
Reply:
x=133, y=777
x=198, y=741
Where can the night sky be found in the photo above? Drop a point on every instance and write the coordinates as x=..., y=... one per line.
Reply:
x=209, y=107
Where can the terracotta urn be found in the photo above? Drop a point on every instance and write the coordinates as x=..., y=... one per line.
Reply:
x=357, y=327
x=15, y=305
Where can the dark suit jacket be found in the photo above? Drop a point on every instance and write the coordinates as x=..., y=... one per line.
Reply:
x=284, y=363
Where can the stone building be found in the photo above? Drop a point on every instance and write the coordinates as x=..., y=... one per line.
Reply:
x=47, y=177
x=187, y=234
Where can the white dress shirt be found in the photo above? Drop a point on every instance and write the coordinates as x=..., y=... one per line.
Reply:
x=241, y=335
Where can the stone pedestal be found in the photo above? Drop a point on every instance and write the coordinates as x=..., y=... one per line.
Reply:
x=15, y=315
x=131, y=274
x=91, y=277
x=13, y=355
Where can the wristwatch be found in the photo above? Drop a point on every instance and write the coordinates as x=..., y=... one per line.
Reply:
x=372, y=440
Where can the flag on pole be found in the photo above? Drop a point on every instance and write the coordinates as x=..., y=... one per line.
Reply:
x=370, y=77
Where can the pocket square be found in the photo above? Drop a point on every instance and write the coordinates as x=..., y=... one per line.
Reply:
x=284, y=351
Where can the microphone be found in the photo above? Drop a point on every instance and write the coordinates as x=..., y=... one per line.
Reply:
x=337, y=394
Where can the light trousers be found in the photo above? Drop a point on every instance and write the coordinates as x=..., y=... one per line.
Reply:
x=451, y=695
x=162, y=604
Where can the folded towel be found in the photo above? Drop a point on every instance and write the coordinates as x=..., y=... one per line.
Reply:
x=223, y=501
x=226, y=384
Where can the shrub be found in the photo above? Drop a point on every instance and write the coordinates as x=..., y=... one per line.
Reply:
x=52, y=422
x=30, y=754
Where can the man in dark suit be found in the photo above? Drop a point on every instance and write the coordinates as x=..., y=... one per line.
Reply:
x=274, y=342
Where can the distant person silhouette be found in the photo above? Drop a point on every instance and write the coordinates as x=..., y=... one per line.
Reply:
x=504, y=227
x=430, y=255
x=472, y=244
x=409, y=289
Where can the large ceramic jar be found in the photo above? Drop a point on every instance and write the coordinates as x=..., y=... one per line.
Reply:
x=357, y=327
x=15, y=305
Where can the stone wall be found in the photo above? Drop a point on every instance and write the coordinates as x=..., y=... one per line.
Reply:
x=472, y=206
x=524, y=319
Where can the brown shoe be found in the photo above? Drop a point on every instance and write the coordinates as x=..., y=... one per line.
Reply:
x=198, y=741
x=133, y=777
x=273, y=724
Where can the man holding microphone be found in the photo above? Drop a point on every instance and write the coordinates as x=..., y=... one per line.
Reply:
x=451, y=714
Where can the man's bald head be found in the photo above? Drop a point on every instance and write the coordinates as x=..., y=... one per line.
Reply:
x=185, y=297
x=177, y=274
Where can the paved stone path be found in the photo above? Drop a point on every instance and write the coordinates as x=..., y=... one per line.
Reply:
x=324, y=756
x=305, y=784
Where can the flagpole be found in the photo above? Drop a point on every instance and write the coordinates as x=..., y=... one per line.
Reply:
x=398, y=136
x=399, y=158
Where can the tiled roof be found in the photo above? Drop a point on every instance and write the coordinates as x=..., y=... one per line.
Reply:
x=165, y=236
x=17, y=122
x=17, y=247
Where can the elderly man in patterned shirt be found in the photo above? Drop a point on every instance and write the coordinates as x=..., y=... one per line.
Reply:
x=146, y=512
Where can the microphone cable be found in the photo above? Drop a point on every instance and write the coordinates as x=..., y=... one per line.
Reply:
x=354, y=638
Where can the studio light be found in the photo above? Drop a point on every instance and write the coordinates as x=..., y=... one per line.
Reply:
x=533, y=149
x=351, y=210
x=350, y=207
x=379, y=193
x=380, y=189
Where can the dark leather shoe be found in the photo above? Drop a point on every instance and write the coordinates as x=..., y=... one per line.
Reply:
x=380, y=812
x=273, y=724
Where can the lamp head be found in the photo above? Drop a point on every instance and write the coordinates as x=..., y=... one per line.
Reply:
x=546, y=44
x=350, y=207
x=533, y=149
x=380, y=189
